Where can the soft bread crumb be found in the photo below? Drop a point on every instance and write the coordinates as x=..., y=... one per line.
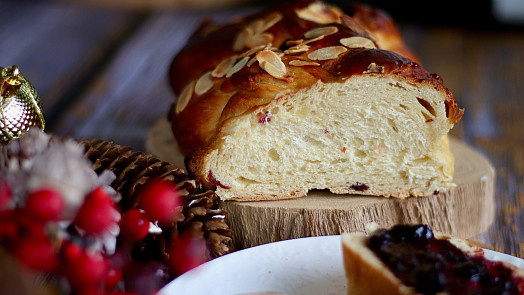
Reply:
x=366, y=136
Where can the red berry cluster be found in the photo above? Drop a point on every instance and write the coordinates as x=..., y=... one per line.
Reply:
x=160, y=203
x=34, y=232
x=31, y=232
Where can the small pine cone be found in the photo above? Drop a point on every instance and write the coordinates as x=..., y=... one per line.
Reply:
x=202, y=215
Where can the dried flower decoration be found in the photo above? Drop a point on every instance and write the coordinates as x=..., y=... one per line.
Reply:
x=36, y=160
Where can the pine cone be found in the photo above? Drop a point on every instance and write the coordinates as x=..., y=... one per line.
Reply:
x=202, y=215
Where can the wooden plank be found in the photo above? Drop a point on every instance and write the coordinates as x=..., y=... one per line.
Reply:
x=164, y=4
x=124, y=101
x=485, y=71
x=494, y=124
x=507, y=231
x=57, y=45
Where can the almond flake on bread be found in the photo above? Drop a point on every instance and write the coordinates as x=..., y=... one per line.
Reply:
x=357, y=119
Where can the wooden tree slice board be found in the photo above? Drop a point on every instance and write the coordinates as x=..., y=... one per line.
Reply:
x=465, y=211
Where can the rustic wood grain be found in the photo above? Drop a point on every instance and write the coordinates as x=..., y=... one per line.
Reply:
x=123, y=101
x=57, y=46
x=161, y=4
x=485, y=71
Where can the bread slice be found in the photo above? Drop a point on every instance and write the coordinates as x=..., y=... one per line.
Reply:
x=327, y=110
x=367, y=274
x=373, y=134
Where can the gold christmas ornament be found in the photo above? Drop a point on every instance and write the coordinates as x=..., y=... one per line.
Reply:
x=20, y=106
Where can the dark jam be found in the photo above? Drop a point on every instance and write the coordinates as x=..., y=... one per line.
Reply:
x=433, y=265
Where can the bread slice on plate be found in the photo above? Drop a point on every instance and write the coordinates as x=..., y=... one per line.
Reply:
x=326, y=108
x=412, y=259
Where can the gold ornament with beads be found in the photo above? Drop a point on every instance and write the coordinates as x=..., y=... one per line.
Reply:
x=20, y=107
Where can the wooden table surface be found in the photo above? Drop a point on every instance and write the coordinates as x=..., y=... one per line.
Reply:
x=102, y=73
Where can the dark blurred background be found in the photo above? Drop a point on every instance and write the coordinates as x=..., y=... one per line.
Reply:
x=481, y=13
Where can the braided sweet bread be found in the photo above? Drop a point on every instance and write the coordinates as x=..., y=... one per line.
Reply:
x=303, y=97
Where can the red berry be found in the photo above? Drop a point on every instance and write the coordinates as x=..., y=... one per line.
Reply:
x=38, y=255
x=8, y=230
x=70, y=251
x=8, y=225
x=86, y=269
x=16, y=227
x=160, y=199
x=134, y=225
x=113, y=276
x=45, y=204
x=97, y=214
x=5, y=193
x=32, y=232
x=186, y=252
x=27, y=228
x=90, y=290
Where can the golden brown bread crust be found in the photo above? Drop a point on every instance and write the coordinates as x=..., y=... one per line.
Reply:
x=196, y=56
x=253, y=86
x=382, y=27
x=365, y=273
x=197, y=122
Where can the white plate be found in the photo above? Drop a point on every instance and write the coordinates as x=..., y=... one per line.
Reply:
x=301, y=266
